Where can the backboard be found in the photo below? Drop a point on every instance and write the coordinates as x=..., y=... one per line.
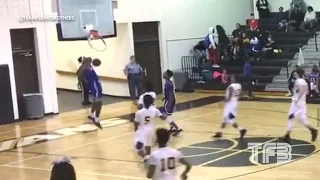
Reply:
x=98, y=13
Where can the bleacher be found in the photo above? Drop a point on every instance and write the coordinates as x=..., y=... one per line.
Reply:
x=265, y=70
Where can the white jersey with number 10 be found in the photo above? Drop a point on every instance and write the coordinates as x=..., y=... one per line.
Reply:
x=166, y=161
x=236, y=92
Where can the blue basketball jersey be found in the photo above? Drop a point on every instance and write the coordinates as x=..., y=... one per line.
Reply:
x=313, y=77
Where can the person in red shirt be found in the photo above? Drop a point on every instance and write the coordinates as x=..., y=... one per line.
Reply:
x=253, y=23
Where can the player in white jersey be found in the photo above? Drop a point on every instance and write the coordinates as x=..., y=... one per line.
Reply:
x=233, y=93
x=164, y=161
x=144, y=124
x=149, y=91
x=298, y=108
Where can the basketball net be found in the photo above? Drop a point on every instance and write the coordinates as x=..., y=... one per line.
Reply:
x=93, y=34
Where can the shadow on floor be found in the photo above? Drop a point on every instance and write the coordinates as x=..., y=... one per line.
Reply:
x=71, y=100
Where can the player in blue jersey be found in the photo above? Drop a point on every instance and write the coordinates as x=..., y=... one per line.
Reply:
x=169, y=100
x=314, y=81
x=95, y=90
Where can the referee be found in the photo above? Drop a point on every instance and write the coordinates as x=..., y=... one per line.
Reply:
x=82, y=81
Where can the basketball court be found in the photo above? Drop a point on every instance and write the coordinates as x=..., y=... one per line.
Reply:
x=29, y=147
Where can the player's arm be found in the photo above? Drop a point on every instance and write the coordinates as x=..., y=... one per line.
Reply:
x=184, y=174
x=160, y=115
x=152, y=167
x=136, y=121
x=230, y=90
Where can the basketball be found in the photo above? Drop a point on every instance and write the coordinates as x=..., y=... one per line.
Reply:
x=96, y=62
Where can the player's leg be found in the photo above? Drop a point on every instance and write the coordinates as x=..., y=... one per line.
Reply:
x=232, y=121
x=96, y=109
x=293, y=111
x=224, y=121
x=303, y=120
x=169, y=108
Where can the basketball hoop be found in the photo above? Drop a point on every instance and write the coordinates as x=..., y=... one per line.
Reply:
x=93, y=34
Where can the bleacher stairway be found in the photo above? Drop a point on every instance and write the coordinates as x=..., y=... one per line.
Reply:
x=311, y=57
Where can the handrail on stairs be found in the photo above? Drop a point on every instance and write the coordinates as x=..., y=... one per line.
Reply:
x=316, y=41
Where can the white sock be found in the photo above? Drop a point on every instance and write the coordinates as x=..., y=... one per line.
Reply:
x=290, y=124
x=93, y=114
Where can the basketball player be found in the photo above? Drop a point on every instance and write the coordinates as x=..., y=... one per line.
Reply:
x=144, y=123
x=149, y=91
x=314, y=81
x=233, y=93
x=298, y=108
x=95, y=90
x=164, y=161
x=170, y=102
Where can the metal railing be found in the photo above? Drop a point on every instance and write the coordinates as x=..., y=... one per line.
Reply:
x=287, y=68
x=316, y=40
x=190, y=65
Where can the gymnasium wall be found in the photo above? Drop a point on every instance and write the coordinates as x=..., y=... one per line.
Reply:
x=10, y=11
x=182, y=24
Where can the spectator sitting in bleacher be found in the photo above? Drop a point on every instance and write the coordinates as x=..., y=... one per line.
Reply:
x=314, y=82
x=263, y=8
x=244, y=46
x=253, y=23
x=237, y=33
x=297, y=3
x=296, y=18
x=205, y=70
x=223, y=42
x=199, y=52
x=255, y=49
x=268, y=45
x=310, y=20
x=221, y=77
x=282, y=17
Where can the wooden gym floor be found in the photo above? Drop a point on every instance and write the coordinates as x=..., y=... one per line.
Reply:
x=28, y=148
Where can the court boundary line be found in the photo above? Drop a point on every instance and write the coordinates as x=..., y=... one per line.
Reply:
x=110, y=138
x=85, y=109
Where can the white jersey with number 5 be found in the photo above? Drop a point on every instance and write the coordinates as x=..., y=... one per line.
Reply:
x=236, y=92
x=166, y=161
x=146, y=117
x=300, y=90
x=152, y=94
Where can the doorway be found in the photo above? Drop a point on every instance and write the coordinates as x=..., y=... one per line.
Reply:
x=147, y=52
x=25, y=64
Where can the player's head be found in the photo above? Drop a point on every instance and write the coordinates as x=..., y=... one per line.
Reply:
x=132, y=59
x=63, y=171
x=147, y=101
x=149, y=87
x=314, y=68
x=300, y=72
x=163, y=136
x=167, y=74
x=80, y=59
